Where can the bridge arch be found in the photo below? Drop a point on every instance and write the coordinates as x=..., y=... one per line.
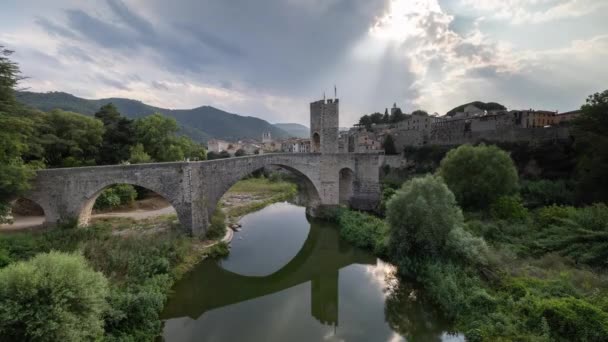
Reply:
x=311, y=190
x=86, y=207
x=31, y=212
x=345, y=185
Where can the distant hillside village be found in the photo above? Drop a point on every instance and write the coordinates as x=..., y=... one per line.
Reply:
x=465, y=124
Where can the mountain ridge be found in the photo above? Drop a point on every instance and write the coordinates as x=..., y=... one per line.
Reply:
x=201, y=123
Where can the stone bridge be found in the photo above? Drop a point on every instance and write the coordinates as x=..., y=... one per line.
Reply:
x=194, y=188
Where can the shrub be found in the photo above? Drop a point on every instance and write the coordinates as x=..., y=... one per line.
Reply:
x=421, y=216
x=115, y=196
x=509, y=208
x=134, y=313
x=451, y=287
x=546, y=192
x=553, y=214
x=217, y=228
x=466, y=247
x=479, y=175
x=363, y=230
x=572, y=319
x=52, y=297
x=387, y=193
x=594, y=217
x=218, y=251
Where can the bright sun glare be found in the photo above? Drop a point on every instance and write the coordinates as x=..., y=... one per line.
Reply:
x=398, y=24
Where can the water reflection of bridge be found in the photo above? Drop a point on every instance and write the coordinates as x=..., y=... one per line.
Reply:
x=318, y=261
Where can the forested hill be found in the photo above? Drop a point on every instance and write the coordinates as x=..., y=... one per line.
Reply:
x=200, y=123
x=294, y=129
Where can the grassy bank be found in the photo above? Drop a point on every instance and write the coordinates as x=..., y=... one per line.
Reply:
x=262, y=191
x=140, y=268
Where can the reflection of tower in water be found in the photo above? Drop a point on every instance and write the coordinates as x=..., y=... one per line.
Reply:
x=324, y=297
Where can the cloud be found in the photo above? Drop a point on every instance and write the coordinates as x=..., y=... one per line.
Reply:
x=536, y=11
x=270, y=58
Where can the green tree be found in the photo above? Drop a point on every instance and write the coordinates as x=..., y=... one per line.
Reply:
x=138, y=155
x=421, y=216
x=16, y=133
x=191, y=149
x=386, y=118
x=118, y=137
x=389, y=145
x=397, y=116
x=479, y=175
x=591, y=143
x=420, y=112
x=70, y=139
x=366, y=121
x=214, y=155
x=9, y=77
x=157, y=135
x=239, y=153
x=52, y=297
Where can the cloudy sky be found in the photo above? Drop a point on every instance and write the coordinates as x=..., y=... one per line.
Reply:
x=270, y=58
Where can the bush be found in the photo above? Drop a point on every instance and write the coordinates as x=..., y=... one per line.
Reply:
x=594, y=217
x=115, y=196
x=387, y=193
x=218, y=251
x=363, y=230
x=572, y=319
x=217, y=228
x=135, y=310
x=52, y=297
x=553, y=214
x=421, y=216
x=546, y=192
x=479, y=175
x=509, y=208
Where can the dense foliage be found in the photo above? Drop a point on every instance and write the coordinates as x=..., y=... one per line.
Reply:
x=52, y=297
x=15, y=138
x=524, y=268
x=116, y=196
x=479, y=175
x=140, y=270
x=396, y=116
x=364, y=230
x=118, y=138
x=592, y=147
x=427, y=224
x=389, y=145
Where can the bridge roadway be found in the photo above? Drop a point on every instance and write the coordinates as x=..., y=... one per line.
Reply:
x=194, y=188
x=318, y=261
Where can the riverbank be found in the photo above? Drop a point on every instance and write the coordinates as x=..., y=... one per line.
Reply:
x=253, y=194
x=539, y=279
x=141, y=255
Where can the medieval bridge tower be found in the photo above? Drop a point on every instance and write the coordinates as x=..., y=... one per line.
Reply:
x=324, y=126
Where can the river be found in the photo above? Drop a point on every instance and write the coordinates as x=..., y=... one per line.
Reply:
x=291, y=278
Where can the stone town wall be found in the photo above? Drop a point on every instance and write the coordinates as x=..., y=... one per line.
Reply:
x=510, y=134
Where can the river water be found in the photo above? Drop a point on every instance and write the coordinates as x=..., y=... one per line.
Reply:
x=292, y=278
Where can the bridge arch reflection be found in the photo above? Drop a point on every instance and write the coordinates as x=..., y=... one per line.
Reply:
x=318, y=262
